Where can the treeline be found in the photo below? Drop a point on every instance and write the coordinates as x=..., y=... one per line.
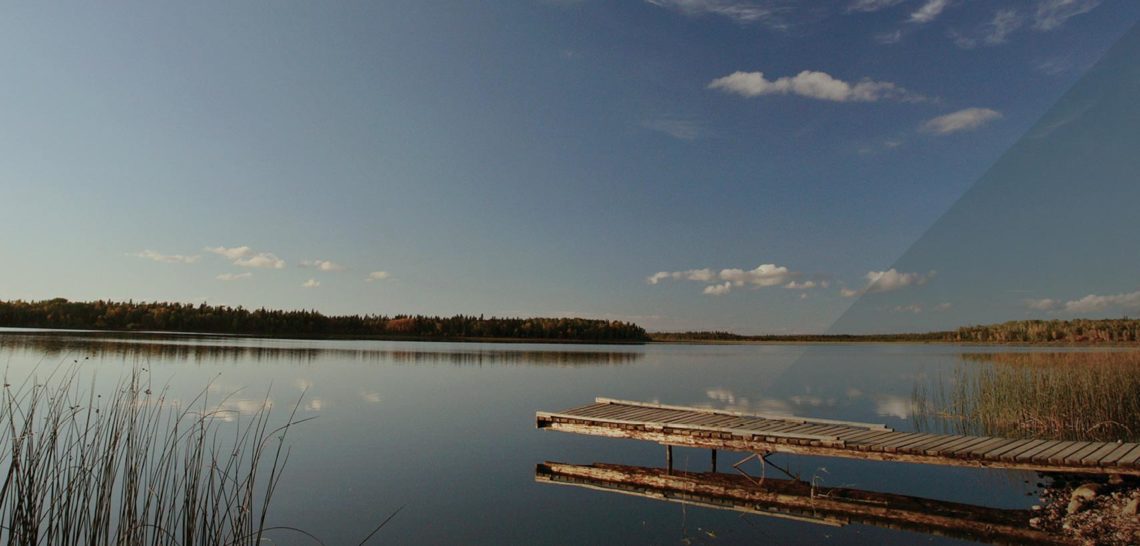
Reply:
x=795, y=338
x=184, y=317
x=1123, y=330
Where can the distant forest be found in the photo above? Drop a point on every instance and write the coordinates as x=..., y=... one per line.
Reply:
x=1123, y=330
x=728, y=337
x=184, y=317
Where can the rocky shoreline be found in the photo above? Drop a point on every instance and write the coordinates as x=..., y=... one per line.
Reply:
x=1090, y=512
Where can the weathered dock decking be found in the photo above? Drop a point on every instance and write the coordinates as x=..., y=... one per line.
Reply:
x=802, y=501
x=766, y=434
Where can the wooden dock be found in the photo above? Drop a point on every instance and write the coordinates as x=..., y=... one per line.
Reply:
x=767, y=434
x=800, y=501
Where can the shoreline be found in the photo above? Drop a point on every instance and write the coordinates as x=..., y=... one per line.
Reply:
x=792, y=340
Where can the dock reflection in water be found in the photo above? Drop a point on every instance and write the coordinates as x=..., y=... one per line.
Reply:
x=802, y=501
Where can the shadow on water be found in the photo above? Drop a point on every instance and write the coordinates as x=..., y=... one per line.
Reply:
x=802, y=501
x=1086, y=396
x=215, y=349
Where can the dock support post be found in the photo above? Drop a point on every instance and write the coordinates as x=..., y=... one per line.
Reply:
x=714, y=461
x=669, y=458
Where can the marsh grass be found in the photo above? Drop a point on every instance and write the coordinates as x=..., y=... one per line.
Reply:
x=1092, y=396
x=132, y=467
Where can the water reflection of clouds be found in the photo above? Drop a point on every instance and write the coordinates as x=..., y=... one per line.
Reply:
x=885, y=404
x=890, y=405
x=728, y=400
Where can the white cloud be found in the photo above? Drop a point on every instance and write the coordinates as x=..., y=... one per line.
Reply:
x=700, y=275
x=1093, y=302
x=848, y=293
x=722, y=282
x=871, y=5
x=244, y=256
x=311, y=283
x=963, y=120
x=1051, y=14
x=718, y=289
x=812, y=84
x=265, y=260
x=993, y=32
x=763, y=275
x=679, y=129
x=929, y=11
x=891, y=280
x=323, y=265
x=234, y=276
x=1044, y=304
x=377, y=276
x=231, y=253
x=737, y=10
x=166, y=258
x=944, y=306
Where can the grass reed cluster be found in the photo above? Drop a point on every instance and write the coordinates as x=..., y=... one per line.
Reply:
x=1092, y=396
x=132, y=467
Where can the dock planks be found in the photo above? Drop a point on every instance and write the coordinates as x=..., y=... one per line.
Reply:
x=766, y=433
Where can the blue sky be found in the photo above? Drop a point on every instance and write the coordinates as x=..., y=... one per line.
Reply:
x=685, y=164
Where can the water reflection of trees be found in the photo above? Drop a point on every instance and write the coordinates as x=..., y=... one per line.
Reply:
x=212, y=349
x=1053, y=395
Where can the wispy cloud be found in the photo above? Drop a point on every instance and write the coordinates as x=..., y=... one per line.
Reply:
x=891, y=280
x=1093, y=302
x=1043, y=304
x=166, y=258
x=963, y=120
x=377, y=276
x=311, y=283
x=741, y=11
x=892, y=37
x=723, y=281
x=929, y=11
x=993, y=32
x=1052, y=14
x=812, y=84
x=1089, y=304
x=244, y=256
x=233, y=253
x=680, y=129
x=871, y=5
x=234, y=276
x=912, y=308
x=1053, y=66
x=885, y=145
x=888, y=281
x=322, y=265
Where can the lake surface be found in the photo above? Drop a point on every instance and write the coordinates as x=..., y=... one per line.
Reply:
x=446, y=430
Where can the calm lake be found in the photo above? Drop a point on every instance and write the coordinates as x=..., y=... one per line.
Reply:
x=446, y=430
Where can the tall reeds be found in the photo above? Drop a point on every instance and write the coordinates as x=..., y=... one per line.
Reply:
x=1058, y=395
x=132, y=467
